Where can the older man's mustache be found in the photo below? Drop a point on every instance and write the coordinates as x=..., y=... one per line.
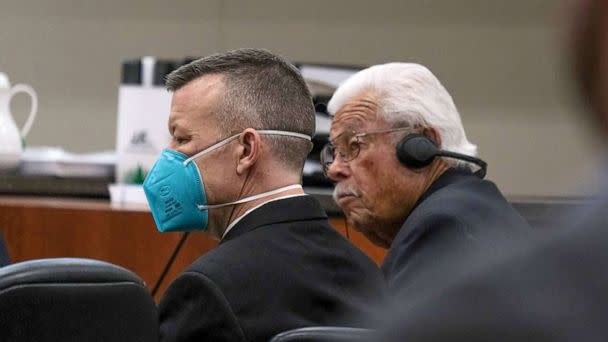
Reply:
x=342, y=190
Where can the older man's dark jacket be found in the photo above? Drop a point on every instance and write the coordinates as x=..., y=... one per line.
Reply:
x=281, y=267
x=552, y=287
x=456, y=218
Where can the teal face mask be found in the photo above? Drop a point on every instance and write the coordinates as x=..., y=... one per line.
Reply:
x=176, y=192
x=171, y=190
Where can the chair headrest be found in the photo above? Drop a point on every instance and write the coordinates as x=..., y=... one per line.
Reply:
x=65, y=270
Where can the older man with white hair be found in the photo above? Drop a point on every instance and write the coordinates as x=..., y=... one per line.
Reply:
x=408, y=179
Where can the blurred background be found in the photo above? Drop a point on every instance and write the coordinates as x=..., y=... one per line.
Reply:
x=501, y=60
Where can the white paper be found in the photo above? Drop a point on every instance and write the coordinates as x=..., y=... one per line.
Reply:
x=54, y=161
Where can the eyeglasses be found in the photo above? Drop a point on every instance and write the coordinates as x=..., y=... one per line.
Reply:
x=346, y=146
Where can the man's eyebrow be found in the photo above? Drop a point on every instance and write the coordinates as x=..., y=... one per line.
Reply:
x=332, y=140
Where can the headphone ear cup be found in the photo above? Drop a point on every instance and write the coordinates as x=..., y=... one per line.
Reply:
x=416, y=151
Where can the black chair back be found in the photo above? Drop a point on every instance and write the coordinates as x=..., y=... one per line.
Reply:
x=72, y=299
x=323, y=334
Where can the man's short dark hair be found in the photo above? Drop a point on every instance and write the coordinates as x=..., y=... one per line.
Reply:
x=262, y=91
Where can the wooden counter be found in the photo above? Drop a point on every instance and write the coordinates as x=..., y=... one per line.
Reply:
x=123, y=235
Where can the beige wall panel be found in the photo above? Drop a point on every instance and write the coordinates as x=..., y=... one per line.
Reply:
x=501, y=60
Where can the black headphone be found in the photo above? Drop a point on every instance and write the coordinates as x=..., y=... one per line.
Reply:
x=418, y=150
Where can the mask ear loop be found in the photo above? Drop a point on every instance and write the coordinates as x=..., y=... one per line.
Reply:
x=210, y=148
x=228, y=140
x=251, y=198
x=285, y=133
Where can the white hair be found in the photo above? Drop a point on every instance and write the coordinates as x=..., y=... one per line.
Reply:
x=409, y=94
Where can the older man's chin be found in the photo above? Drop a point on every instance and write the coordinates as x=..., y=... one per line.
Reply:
x=373, y=236
x=376, y=239
x=360, y=219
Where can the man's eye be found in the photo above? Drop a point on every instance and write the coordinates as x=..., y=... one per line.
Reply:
x=180, y=141
x=354, y=145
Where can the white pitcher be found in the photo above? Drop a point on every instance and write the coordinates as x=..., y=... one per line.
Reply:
x=11, y=138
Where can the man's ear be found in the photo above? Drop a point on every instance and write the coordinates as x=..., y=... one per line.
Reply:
x=433, y=134
x=249, y=150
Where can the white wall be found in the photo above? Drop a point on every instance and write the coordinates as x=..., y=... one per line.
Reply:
x=501, y=60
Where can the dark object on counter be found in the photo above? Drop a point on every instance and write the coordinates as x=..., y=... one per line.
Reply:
x=89, y=187
x=162, y=68
x=320, y=102
x=131, y=72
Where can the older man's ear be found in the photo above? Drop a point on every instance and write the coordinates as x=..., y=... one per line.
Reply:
x=433, y=134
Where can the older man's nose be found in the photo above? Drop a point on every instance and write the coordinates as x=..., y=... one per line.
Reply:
x=338, y=170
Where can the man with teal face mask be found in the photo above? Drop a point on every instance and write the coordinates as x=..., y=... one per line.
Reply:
x=241, y=124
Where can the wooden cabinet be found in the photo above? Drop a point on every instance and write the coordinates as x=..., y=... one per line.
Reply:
x=36, y=228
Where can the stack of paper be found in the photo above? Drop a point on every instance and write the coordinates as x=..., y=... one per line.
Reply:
x=54, y=161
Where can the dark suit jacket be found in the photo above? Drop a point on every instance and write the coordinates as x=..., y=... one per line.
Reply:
x=459, y=215
x=553, y=288
x=281, y=267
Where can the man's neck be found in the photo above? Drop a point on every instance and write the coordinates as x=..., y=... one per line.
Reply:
x=239, y=218
x=241, y=209
x=438, y=168
x=236, y=211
